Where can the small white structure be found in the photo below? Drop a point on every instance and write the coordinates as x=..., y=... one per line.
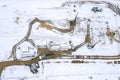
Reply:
x=26, y=51
x=53, y=45
x=56, y=45
x=65, y=46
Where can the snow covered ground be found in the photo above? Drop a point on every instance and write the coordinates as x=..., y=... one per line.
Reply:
x=15, y=17
x=64, y=71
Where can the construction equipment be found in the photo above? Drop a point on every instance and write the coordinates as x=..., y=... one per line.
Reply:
x=96, y=9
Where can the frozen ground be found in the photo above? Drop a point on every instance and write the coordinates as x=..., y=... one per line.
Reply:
x=64, y=71
x=11, y=32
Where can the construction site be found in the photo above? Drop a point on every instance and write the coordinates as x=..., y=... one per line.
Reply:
x=76, y=32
